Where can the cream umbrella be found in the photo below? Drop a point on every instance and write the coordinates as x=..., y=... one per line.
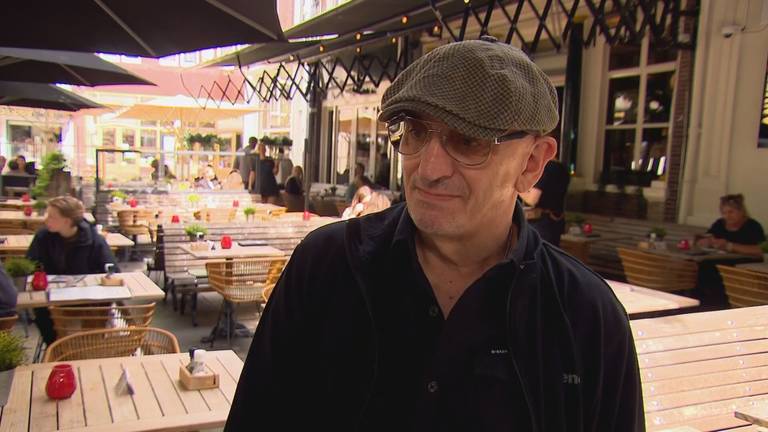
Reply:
x=185, y=109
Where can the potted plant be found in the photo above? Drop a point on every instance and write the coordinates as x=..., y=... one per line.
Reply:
x=196, y=231
x=40, y=206
x=657, y=233
x=11, y=355
x=193, y=199
x=51, y=178
x=18, y=269
x=118, y=196
x=573, y=222
x=249, y=212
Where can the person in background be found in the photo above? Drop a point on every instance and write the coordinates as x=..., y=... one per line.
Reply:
x=234, y=181
x=357, y=182
x=294, y=185
x=735, y=231
x=284, y=167
x=208, y=179
x=67, y=245
x=167, y=174
x=8, y=295
x=249, y=165
x=548, y=200
x=365, y=202
x=18, y=166
x=3, y=160
x=267, y=182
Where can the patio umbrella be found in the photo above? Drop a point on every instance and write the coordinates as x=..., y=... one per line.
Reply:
x=183, y=108
x=64, y=67
x=46, y=96
x=147, y=28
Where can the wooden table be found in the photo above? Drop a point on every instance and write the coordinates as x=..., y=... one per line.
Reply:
x=16, y=204
x=757, y=415
x=140, y=286
x=579, y=245
x=18, y=215
x=159, y=402
x=236, y=251
x=20, y=242
x=700, y=255
x=760, y=267
x=639, y=301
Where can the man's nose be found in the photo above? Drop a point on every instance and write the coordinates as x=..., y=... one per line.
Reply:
x=435, y=161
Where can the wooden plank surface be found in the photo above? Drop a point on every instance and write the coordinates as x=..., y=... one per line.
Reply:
x=236, y=251
x=18, y=215
x=637, y=300
x=141, y=287
x=698, y=369
x=159, y=401
x=708, y=255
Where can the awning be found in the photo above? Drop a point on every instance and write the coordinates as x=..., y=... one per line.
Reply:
x=371, y=18
x=36, y=95
x=184, y=108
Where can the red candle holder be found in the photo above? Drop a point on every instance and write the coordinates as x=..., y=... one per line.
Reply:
x=175, y=219
x=61, y=382
x=235, y=203
x=25, y=198
x=27, y=211
x=226, y=242
x=40, y=281
x=133, y=202
x=586, y=228
x=683, y=244
x=306, y=215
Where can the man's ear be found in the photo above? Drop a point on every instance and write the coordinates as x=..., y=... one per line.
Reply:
x=542, y=151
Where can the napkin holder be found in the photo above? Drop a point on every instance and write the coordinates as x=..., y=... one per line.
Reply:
x=199, y=246
x=112, y=281
x=199, y=381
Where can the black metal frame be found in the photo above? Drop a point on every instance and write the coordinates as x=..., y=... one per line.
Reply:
x=618, y=21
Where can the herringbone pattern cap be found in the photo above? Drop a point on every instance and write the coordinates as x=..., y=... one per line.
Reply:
x=481, y=88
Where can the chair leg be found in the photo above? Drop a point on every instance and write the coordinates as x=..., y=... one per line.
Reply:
x=25, y=320
x=183, y=304
x=194, y=309
x=230, y=323
x=37, y=357
x=211, y=338
x=174, y=298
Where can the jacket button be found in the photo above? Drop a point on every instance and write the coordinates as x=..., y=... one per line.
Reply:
x=432, y=387
x=434, y=311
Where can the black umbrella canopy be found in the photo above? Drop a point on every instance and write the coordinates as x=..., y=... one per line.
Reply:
x=35, y=95
x=147, y=28
x=64, y=67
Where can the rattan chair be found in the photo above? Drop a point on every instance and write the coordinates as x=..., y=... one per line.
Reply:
x=68, y=320
x=658, y=272
x=242, y=281
x=7, y=323
x=116, y=342
x=133, y=223
x=744, y=287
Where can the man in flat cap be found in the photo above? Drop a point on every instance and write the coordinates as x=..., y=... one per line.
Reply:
x=447, y=313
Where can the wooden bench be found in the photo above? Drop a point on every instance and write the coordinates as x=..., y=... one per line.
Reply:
x=184, y=275
x=603, y=256
x=697, y=369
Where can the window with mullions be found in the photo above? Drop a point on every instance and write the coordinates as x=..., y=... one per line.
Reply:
x=638, y=117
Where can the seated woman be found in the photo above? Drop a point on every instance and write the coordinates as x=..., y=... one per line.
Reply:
x=294, y=185
x=67, y=245
x=208, y=179
x=365, y=202
x=735, y=231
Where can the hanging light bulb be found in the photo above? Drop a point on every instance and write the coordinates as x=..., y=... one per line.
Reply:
x=404, y=19
x=394, y=40
x=322, y=48
x=358, y=36
x=358, y=50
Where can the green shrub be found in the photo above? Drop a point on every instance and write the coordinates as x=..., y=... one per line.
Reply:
x=249, y=211
x=193, y=198
x=659, y=231
x=52, y=162
x=17, y=267
x=118, y=194
x=193, y=229
x=11, y=351
x=40, y=204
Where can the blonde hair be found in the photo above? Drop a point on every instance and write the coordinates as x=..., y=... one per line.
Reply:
x=69, y=207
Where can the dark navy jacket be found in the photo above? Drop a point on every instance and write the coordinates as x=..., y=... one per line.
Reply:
x=87, y=254
x=323, y=358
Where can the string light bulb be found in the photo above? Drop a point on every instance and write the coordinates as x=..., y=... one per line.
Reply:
x=291, y=57
x=322, y=48
x=358, y=36
x=404, y=19
x=394, y=40
x=358, y=50
x=466, y=1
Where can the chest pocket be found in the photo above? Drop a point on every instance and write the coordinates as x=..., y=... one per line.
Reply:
x=496, y=398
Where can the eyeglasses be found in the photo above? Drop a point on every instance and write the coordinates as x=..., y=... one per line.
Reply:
x=410, y=135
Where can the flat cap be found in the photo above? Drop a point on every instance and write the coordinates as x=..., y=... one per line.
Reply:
x=482, y=88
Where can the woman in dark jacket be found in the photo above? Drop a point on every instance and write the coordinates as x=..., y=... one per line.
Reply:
x=67, y=245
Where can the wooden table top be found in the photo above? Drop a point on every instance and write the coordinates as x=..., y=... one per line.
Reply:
x=705, y=255
x=591, y=239
x=15, y=203
x=637, y=300
x=236, y=251
x=755, y=415
x=18, y=215
x=21, y=242
x=760, y=267
x=159, y=402
x=140, y=286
